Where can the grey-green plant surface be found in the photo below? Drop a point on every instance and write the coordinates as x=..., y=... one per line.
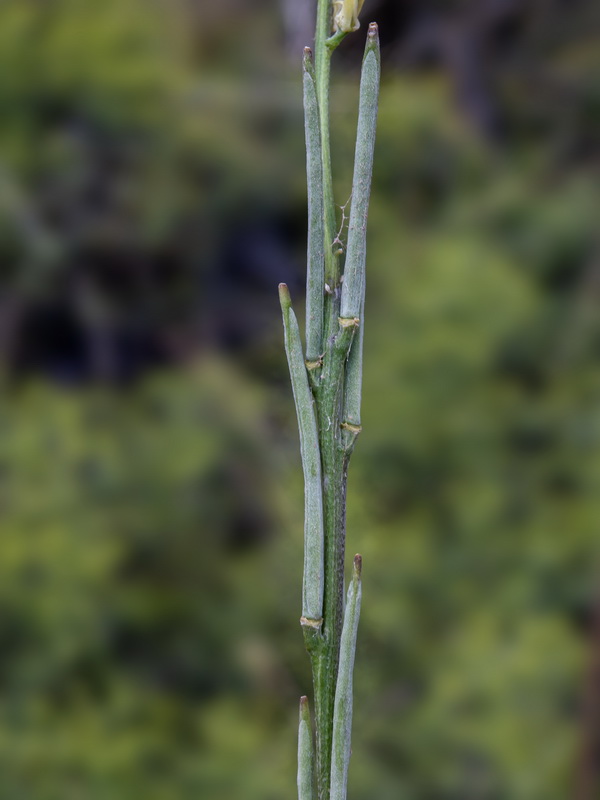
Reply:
x=326, y=382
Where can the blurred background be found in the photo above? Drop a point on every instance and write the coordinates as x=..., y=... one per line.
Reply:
x=152, y=196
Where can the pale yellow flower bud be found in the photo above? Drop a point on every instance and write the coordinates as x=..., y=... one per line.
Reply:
x=345, y=15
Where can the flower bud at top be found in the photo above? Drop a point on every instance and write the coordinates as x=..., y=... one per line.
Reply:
x=345, y=15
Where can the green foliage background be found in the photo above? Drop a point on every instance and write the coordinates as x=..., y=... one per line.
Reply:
x=150, y=556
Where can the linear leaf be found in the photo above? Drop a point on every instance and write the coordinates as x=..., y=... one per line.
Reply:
x=354, y=273
x=305, y=753
x=315, y=273
x=313, y=579
x=342, y=712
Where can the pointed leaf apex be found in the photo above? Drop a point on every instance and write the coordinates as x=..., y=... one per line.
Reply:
x=304, y=709
x=372, y=45
x=308, y=66
x=284, y=296
x=305, y=753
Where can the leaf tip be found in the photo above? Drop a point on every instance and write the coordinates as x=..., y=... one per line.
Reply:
x=284, y=296
x=372, y=38
x=304, y=709
x=307, y=62
x=358, y=565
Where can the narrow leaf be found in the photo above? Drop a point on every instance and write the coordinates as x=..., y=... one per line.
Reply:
x=353, y=286
x=312, y=585
x=315, y=273
x=305, y=753
x=342, y=713
x=353, y=390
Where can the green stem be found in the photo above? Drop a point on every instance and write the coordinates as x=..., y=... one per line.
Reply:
x=324, y=646
x=325, y=652
x=323, y=52
x=321, y=387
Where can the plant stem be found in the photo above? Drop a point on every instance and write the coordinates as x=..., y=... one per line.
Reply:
x=335, y=466
x=326, y=384
x=322, y=72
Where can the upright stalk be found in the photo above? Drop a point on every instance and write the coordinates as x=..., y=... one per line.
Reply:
x=327, y=388
x=334, y=459
x=323, y=54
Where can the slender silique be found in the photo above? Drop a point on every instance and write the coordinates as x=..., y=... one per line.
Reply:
x=326, y=382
